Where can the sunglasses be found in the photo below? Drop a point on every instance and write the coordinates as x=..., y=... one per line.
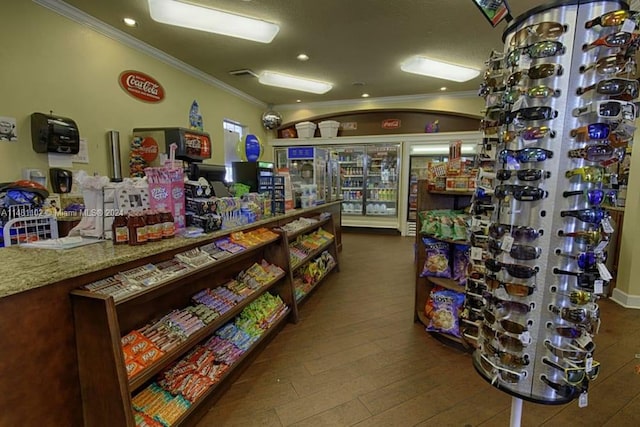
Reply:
x=613, y=64
x=574, y=353
x=564, y=390
x=528, y=134
x=587, y=173
x=612, y=19
x=518, y=252
x=513, y=289
x=619, y=39
x=587, y=260
x=585, y=279
x=569, y=331
x=574, y=374
x=594, y=197
x=506, y=306
x=594, y=153
x=590, y=215
x=609, y=109
x=536, y=92
x=523, y=193
x=593, y=131
x=614, y=87
x=506, y=375
x=580, y=297
x=575, y=315
x=507, y=359
x=541, y=31
x=526, y=155
x=530, y=113
x=518, y=232
x=506, y=341
x=587, y=237
x=523, y=175
x=516, y=270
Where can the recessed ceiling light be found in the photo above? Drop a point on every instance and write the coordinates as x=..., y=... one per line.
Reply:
x=303, y=57
x=272, y=78
x=298, y=100
x=365, y=95
x=130, y=22
x=443, y=88
x=442, y=70
x=212, y=20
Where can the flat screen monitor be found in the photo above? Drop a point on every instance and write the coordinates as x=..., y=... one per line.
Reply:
x=211, y=173
x=494, y=10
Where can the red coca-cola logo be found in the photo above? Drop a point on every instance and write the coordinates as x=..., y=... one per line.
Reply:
x=141, y=86
x=391, y=124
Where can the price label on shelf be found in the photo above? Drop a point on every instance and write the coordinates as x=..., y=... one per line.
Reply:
x=476, y=253
x=507, y=243
x=604, y=271
x=583, y=400
x=598, y=286
x=606, y=226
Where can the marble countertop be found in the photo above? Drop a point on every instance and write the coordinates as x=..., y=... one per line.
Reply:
x=22, y=268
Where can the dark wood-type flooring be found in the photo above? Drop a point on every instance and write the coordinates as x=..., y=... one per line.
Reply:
x=356, y=358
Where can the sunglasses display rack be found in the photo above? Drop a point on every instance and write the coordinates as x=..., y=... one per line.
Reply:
x=559, y=117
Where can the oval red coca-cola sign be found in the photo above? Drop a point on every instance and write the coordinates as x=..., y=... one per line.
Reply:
x=141, y=86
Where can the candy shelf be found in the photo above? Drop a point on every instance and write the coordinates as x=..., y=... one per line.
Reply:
x=100, y=322
x=315, y=253
x=314, y=226
x=313, y=287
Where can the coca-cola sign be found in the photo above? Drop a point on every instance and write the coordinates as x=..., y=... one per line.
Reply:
x=141, y=86
x=391, y=123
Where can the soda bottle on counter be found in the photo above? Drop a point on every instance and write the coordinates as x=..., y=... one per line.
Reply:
x=168, y=226
x=120, y=230
x=137, y=229
x=154, y=226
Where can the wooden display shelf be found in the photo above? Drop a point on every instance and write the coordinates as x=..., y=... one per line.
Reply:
x=214, y=391
x=452, y=192
x=454, y=242
x=313, y=254
x=447, y=283
x=425, y=321
x=313, y=287
x=292, y=235
x=147, y=373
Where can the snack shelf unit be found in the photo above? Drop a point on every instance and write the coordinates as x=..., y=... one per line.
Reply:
x=328, y=225
x=431, y=200
x=101, y=321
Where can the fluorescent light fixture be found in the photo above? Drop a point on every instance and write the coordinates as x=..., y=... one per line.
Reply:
x=271, y=78
x=442, y=70
x=211, y=20
x=442, y=149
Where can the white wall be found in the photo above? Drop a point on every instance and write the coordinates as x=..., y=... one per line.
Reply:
x=50, y=62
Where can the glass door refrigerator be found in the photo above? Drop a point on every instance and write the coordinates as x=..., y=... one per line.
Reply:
x=350, y=178
x=382, y=167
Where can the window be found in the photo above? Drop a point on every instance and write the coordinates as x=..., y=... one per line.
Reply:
x=233, y=132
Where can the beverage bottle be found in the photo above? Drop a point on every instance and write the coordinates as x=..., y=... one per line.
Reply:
x=168, y=226
x=137, y=229
x=120, y=230
x=154, y=227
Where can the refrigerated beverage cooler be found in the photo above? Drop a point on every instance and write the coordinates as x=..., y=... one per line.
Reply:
x=307, y=166
x=368, y=180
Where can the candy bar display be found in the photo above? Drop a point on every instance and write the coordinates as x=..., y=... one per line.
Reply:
x=560, y=114
x=310, y=274
x=306, y=245
x=144, y=346
x=189, y=379
x=299, y=224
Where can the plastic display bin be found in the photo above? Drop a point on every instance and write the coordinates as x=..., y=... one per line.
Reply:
x=329, y=128
x=305, y=129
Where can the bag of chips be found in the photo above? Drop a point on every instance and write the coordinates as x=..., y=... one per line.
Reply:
x=460, y=264
x=436, y=263
x=447, y=305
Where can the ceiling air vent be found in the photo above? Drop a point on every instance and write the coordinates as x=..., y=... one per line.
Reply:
x=243, y=73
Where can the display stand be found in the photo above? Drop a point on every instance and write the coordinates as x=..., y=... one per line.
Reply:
x=539, y=321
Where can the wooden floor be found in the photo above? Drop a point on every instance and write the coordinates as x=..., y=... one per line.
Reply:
x=357, y=358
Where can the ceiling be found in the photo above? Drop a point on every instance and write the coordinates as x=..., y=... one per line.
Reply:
x=358, y=45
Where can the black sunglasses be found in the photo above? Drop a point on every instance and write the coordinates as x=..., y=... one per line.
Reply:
x=523, y=175
x=516, y=270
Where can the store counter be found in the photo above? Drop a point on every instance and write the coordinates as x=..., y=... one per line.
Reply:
x=38, y=366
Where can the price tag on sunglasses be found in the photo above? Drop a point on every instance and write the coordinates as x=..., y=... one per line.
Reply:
x=584, y=341
x=583, y=400
x=519, y=104
x=598, y=286
x=525, y=61
x=606, y=226
x=476, y=253
x=525, y=338
x=601, y=247
x=604, y=272
x=507, y=243
x=588, y=364
x=628, y=26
